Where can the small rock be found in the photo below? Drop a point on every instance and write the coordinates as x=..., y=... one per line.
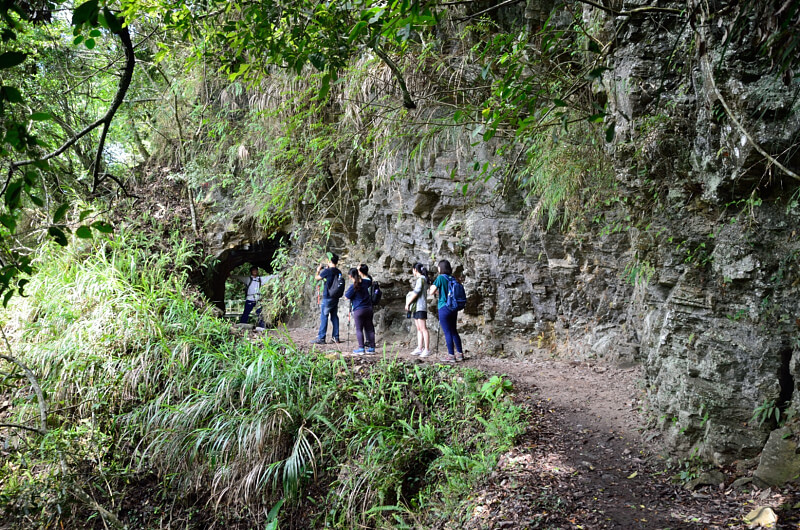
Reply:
x=743, y=481
x=709, y=478
x=761, y=517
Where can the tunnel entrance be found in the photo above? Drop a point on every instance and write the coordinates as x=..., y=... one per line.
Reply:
x=258, y=254
x=785, y=380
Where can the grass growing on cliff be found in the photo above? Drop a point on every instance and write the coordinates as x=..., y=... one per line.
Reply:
x=153, y=402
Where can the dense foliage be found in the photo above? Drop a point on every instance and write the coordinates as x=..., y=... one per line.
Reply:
x=139, y=376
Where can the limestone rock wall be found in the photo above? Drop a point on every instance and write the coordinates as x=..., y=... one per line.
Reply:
x=693, y=271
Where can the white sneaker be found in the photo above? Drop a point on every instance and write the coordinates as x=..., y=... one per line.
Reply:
x=417, y=351
x=424, y=353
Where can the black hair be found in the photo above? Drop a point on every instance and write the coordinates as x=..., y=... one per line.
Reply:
x=420, y=268
x=363, y=269
x=356, y=278
x=253, y=268
x=334, y=258
x=445, y=268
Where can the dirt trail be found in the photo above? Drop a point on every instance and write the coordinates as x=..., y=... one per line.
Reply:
x=583, y=462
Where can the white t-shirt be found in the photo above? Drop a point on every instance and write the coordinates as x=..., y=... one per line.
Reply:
x=254, y=285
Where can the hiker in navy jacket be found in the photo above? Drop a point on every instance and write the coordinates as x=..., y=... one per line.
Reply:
x=358, y=294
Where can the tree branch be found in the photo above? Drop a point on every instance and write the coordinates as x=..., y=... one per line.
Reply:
x=408, y=102
x=729, y=112
x=636, y=11
x=34, y=383
x=105, y=121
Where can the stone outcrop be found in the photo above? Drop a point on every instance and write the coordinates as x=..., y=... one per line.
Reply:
x=692, y=270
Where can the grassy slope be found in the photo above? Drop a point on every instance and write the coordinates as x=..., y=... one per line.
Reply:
x=155, y=408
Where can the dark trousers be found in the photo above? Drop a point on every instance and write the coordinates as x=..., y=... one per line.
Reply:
x=362, y=319
x=447, y=319
x=248, y=307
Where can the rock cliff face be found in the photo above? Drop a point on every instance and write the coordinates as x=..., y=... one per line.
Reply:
x=692, y=267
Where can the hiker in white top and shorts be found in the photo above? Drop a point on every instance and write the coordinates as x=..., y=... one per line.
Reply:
x=417, y=307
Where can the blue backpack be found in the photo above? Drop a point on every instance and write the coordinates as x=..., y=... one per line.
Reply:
x=456, y=295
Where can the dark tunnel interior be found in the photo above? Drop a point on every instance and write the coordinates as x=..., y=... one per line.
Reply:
x=258, y=254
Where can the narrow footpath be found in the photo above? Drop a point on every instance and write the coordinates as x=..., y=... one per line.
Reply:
x=586, y=460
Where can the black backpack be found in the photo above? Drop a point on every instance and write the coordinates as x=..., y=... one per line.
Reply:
x=375, y=293
x=337, y=287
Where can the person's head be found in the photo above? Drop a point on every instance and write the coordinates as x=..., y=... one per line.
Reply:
x=334, y=259
x=420, y=270
x=364, y=270
x=253, y=271
x=445, y=268
x=355, y=276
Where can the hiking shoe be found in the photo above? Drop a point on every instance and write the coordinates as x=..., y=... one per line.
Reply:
x=370, y=350
x=450, y=359
x=424, y=353
x=417, y=351
x=358, y=351
x=318, y=341
x=336, y=340
x=459, y=357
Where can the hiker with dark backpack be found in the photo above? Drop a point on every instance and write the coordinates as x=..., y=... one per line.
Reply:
x=253, y=285
x=361, y=301
x=451, y=299
x=332, y=290
x=375, y=292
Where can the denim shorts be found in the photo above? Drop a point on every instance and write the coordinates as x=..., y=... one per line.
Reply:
x=421, y=315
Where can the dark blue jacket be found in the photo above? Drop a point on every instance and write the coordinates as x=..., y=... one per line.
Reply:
x=360, y=298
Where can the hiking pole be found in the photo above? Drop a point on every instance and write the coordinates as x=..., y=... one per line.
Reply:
x=437, y=334
x=349, y=313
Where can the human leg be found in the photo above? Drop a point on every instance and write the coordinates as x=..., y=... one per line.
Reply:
x=447, y=319
x=369, y=329
x=334, y=312
x=358, y=321
x=248, y=307
x=323, y=320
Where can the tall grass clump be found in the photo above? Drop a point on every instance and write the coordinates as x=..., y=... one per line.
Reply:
x=142, y=381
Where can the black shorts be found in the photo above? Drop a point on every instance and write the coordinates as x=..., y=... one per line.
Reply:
x=421, y=315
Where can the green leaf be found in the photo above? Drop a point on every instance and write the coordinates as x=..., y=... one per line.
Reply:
x=40, y=116
x=58, y=234
x=37, y=201
x=95, y=33
x=317, y=60
x=114, y=22
x=8, y=35
x=84, y=215
x=90, y=43
x=594, y=47
x=103, y=227
x=357, y=30
x=14, y=194
x=77, y=40
x=7, y=297
x=597, y=72
x=11, y=59
x=11, y=94
x=84, y=232
x=8, y=221
x=464, y=189
x=85, y=12
x=610, y=132
x=61, y=211
x=596, y=118
x=559, y=102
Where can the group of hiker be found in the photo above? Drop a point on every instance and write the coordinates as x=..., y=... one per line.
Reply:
x=364, y=293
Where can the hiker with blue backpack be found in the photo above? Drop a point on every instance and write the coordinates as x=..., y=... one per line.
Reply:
x=360, y=298
x=451, y=299
x=332, y=290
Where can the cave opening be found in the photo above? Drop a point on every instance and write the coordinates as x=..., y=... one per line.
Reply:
x=785, y=379
x=237, y=261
